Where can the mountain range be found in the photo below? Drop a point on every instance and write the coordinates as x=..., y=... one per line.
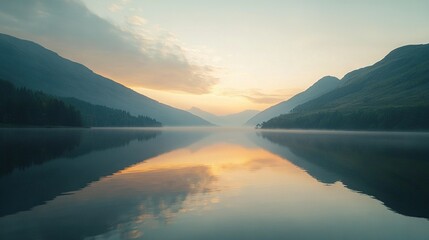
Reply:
x=321, y=87
x=27, y=64
x=236, y=119
x=391, y=94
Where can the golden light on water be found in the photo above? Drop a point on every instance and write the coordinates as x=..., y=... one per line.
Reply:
x=219, y=159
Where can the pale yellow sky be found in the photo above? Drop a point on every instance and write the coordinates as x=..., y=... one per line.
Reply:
x=272, y=48
x=220, y=56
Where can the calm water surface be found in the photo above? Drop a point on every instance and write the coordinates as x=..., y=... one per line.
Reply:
x=212, y=184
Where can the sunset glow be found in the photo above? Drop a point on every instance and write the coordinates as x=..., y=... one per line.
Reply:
x=222, y=56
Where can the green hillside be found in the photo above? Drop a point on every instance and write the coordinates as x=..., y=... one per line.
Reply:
x=391, y=94
x=322, y=86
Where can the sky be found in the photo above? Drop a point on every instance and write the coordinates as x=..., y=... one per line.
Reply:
x=220, y=56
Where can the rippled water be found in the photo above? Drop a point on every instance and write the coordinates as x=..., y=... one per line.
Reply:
x=184, y=183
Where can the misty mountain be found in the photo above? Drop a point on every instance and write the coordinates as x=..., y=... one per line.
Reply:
x=391, y=94
x=27, y=64
x=23, y=107
x=236, y=119
x=319, y=88
x=101, y=116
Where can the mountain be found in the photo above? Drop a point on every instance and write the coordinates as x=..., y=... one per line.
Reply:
x=23, y=107
x=29, y=65
x=319, y=88
x=204, y=115
x=101, y=116
x=391, y=94
x=236, y=119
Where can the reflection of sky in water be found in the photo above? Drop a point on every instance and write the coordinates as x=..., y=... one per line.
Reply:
x=222, y=187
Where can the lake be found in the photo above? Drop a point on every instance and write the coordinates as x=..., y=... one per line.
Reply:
x=213, y=183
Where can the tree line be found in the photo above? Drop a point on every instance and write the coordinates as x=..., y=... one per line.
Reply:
x=381, y=118
x=24, y=107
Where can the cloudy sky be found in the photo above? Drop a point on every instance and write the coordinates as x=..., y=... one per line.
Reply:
x=221, y=56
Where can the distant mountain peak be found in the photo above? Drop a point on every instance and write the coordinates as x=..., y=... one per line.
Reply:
x=324, y=82
x=196, y=109
x=326, y=79
x=234, y=119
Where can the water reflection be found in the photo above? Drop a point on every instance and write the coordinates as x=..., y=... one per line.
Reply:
x=392, y=167
x=22, y=148
x=149, y=194
x=116, y=202
x=215, y=184
x=69, y=159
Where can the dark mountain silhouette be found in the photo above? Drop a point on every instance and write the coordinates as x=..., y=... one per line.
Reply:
x=322, y=86
x=391, y=94
x=101, y=116
x=23, y=107
x=27, y=64
x=235, y=119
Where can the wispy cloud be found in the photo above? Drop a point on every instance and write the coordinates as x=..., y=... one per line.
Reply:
x=260, y=97
x=137, y=20
x=136, y=54
x=118, y=6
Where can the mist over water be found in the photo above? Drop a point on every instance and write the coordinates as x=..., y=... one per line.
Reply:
x=212, y=183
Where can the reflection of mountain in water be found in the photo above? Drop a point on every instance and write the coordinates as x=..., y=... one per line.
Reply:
x=76, y=158
x=392, y=167
x=113, y=208
x=22, y=148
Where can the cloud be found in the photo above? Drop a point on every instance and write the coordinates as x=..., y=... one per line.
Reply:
x=259, y=97
x=137, y=20
x=114, y=7
x=134, y=55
